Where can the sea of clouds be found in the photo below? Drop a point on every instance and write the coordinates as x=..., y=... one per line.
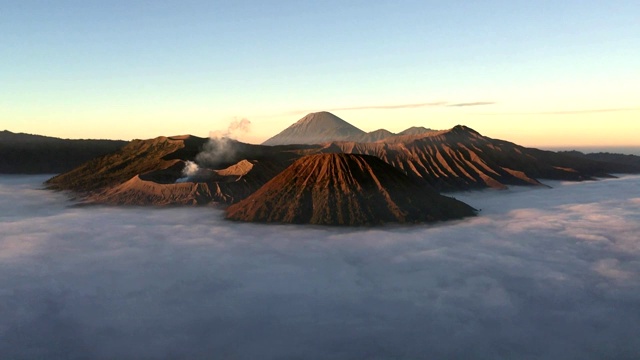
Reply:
x=542, y=273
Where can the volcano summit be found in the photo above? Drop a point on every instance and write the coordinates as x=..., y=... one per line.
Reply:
x=345, y=189
x=316, y=128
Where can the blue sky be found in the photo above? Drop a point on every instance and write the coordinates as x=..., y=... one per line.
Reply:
x=138, y=69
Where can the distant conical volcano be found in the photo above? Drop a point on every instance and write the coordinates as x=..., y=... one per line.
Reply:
x=316, y=128
x=345, y=189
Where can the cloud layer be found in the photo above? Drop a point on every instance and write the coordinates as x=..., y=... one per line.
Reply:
x=541, y=274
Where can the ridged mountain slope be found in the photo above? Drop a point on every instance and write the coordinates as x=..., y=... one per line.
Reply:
x=345, y=189
x=461, y=158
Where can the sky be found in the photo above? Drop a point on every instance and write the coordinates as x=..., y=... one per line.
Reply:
x=538, y=73
x=542, y=273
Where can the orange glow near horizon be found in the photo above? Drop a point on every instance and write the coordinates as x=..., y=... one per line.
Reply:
x=604, y=127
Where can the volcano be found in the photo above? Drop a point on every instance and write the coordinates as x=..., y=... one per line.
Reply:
x=345, y=189
x=323, y=127
x=316, y=128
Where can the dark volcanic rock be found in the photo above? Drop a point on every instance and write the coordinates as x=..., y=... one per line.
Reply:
x=612, y=162
x=35, y=154
x=345, y=189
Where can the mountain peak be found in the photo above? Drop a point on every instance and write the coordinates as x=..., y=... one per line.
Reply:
x=315, y=128
x=460, y=129
x=373, y=136
x=319, y=116
x=345, y=189
x=415, y=130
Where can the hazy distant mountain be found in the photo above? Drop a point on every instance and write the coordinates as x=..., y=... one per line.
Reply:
x=416, y=130
x=34, y=154
x=373, y=136
x=323, y=127
x=345, y=189
x=614, y=162
x=383, y=135
x=316, y=128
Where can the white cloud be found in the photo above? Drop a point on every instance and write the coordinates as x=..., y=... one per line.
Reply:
x=541, y=273
x=611, y=268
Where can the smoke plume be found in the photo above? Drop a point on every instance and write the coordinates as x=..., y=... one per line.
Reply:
x=189, y=171
x=236, y=128
x=219, y=149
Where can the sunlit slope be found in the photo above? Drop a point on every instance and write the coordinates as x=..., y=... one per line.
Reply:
x=345, y=189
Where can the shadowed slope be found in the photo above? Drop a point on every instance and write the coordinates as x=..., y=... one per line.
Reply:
x=35, y=154
x=147, y=172
x=345, y=189
x=223, y=186
x=137, y=157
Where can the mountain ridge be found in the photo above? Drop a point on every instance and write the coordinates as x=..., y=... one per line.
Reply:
x=22, y=153
x=450, y=160
x=315, y=128
x=323, y=127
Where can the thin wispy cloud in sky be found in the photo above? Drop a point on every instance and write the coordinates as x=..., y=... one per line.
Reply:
x=397, y=106
x=589, y=111
x=401, y=106
x=126, y=62
x=566, y=112
x=540, y=274
x=476, y=103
